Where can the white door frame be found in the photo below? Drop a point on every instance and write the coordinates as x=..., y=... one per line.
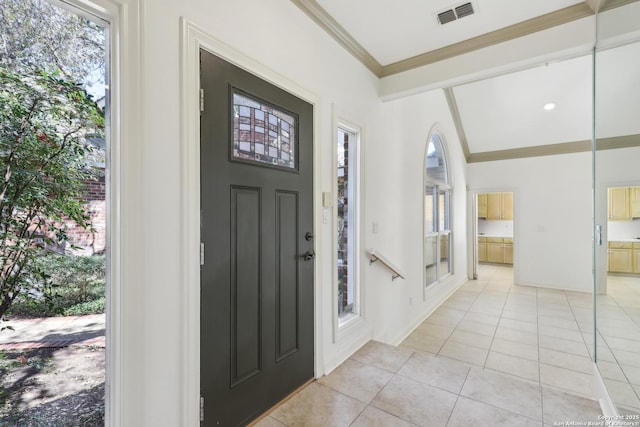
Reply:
x=124, y=374
x=193, y=38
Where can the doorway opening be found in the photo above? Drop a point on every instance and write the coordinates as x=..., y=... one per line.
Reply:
x=494, y=240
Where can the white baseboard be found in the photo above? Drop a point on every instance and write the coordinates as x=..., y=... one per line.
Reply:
x=344, y=354
x=428, y=312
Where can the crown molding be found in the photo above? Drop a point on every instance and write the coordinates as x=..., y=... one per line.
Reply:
x=596, y=5
x=562, y=16
x=457, y=121
x=612, y=143
x=612, y=4
x=320, y=16
x=549, y=20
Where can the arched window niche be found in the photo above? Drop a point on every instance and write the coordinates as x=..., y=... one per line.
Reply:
x=437, y=211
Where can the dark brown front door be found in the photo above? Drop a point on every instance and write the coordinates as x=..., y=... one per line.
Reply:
x=257, y=333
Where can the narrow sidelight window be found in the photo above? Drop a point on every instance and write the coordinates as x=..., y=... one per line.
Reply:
x=347, y=223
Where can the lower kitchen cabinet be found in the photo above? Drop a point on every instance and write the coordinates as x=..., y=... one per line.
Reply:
x=508, y=251
x=495, y=249
x=482, y=249
x=621, y=257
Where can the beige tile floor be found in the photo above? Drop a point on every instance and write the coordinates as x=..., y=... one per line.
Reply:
x=619, y=341
x=494, y=354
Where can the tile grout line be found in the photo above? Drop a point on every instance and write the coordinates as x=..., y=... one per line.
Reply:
x=394, y=374
x=498, y=325
x=454, y=329
x=538, y=340
x=458, y=324
x=453, y=408
x=539, y=360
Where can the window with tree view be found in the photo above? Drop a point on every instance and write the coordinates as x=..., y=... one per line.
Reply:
x=347, y=184
x=54, y=208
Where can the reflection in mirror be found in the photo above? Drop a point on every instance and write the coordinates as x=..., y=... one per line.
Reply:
x=430, y=236
x=617, y=204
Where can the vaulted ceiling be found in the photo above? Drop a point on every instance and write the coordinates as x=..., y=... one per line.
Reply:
x=501, y=116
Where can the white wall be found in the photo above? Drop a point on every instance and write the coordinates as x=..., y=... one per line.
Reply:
x=395, y=202
x=285, y=41
x=552, y=204
x=281, y=38
x=621, y=230
x=552, y=216
x=495, y=228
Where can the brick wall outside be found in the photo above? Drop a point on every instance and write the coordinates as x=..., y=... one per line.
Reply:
x=90, y=241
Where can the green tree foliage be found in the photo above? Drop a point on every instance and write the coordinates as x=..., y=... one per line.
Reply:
x=48, y=56
x=34, y=34
x=44, y=161
x=75, y=286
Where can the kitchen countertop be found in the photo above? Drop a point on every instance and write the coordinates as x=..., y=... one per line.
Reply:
x=634, y=240
x=497, y=235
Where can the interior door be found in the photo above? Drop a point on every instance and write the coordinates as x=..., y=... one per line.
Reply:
x=257, y=330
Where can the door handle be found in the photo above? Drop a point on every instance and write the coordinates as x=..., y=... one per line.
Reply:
x=309, y=255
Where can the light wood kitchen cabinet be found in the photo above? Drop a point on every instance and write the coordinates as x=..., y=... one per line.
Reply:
x=508, y=251
x=482, y=249
x=494, y=206
x=497, y=250
x=482, y=205
x=507, y=205
x=634, y=196
x=621, y=257
x=499, y=206
x=619, y=204
x=636, y=257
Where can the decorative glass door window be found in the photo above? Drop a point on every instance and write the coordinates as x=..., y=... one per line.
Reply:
x=263, y=133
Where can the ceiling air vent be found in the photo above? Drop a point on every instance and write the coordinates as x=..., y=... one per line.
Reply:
x=464, y=10
x=456, y=12
x=446, y=17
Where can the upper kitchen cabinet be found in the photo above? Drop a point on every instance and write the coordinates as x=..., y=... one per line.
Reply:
x=499, y=206
x=635, y=201
x=506, y=200
x=624, y=203
x=482, y=205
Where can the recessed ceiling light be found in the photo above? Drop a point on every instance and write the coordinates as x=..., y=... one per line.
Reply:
x=549, y=106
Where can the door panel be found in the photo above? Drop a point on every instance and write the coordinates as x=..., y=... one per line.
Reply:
x=257, y=330
x=245, y=283
x=286, y=274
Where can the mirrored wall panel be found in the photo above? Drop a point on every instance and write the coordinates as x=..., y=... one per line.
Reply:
x=617, y=204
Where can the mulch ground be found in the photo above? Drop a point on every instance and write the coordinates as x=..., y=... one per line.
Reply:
x=52, y=386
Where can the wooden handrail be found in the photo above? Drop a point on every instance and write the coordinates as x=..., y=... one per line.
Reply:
x=377, y=256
